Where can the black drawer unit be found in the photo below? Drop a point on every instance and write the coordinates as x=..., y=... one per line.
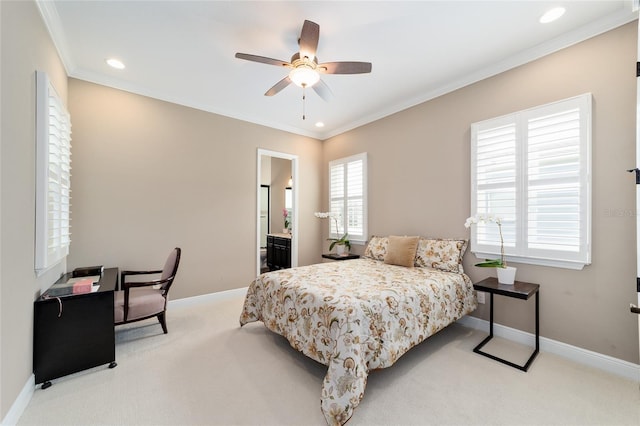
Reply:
x=73, y=332
x=278, y=252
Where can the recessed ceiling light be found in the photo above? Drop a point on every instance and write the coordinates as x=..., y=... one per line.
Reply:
x=552, y=14
x=115, y=63
x=319, y=124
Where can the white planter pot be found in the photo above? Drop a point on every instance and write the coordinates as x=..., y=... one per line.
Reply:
x=342, y=250
x=506, y=275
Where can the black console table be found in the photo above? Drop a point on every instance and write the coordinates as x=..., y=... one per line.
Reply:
x=73, y=332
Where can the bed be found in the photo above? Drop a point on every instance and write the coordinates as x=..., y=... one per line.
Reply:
x=358, y=315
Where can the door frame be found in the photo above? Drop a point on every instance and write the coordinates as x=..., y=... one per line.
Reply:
x=635, y=8
x=268, y=195
x=294, y=195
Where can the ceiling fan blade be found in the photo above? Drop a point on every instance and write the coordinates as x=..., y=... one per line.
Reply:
x=309, y=39
x=344, y=68
x=323, y=90
x=263, y=60
x=278, y=86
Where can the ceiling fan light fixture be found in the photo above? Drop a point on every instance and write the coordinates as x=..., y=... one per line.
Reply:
x=304, y=76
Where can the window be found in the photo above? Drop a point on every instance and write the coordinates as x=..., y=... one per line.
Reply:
x=53, y=176
x=348, y=197
x=533, y=169
x=288, y=205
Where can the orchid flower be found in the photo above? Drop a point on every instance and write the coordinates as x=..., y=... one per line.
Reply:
x=486, y=218
x=285, y=215
x=344, y=240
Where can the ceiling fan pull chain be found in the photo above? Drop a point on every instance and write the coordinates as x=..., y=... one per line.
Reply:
x=304, y=98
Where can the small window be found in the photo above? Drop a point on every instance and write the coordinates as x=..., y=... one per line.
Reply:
x=533, y=170
x=53, y=176
x=348, y=197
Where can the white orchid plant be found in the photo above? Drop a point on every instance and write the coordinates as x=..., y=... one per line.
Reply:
x=486, y=218
x=344, y=240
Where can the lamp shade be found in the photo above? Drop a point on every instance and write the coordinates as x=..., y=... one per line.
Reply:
x=304, y=76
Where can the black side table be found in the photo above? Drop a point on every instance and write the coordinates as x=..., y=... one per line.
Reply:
x=334, y=256
x=519, y=290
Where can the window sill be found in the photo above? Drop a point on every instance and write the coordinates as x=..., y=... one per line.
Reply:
x=566, y=264
x=354, y=242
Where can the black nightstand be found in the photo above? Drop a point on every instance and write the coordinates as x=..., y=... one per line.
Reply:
x=334, y=256
x=519, y=290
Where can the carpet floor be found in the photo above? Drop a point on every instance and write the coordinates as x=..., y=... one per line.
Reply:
x=209, y=371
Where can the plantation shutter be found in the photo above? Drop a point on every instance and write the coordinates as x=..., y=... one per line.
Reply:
x=554, y=182
x=355, y=199
x=337, y=173
x=495, y=174
x=533, y=170
x=53, y=170
x=347, y=197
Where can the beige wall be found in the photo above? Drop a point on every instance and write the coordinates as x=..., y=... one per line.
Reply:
x=150, y=175
x=25, y=48
x=419, y=184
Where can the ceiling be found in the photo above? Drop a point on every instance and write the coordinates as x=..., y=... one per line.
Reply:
x=183, y=51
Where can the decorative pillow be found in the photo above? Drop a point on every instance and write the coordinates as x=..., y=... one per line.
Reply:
x=377, y=248
x=401, y=251
x=440, y=253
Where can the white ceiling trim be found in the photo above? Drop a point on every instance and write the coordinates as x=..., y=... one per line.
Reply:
x=53, y=23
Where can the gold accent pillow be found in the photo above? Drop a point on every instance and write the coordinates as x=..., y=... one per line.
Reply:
x=401, y=251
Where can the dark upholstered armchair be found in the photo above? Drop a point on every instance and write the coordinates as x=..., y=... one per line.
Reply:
x=137, y=300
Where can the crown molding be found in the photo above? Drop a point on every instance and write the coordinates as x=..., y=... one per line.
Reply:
x=52, y=21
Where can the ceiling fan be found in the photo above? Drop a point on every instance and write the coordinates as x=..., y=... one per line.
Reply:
x=305, y=69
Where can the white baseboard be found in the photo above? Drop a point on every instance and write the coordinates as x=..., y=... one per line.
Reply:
x=21, y=402
x=211, y=297
x=597, y=360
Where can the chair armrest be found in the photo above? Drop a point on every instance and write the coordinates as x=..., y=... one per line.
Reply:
x=123, y=274
x=132, y=284
x=139, y=272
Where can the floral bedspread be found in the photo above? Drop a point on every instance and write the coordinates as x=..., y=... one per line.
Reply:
x=355, y=316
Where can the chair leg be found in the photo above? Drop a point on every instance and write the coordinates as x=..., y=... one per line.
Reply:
x=162, y=322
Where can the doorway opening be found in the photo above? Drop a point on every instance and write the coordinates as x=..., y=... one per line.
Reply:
x=279, y=172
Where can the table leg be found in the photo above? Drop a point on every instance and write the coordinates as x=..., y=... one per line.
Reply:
x=490, y=314
x=478, y=349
